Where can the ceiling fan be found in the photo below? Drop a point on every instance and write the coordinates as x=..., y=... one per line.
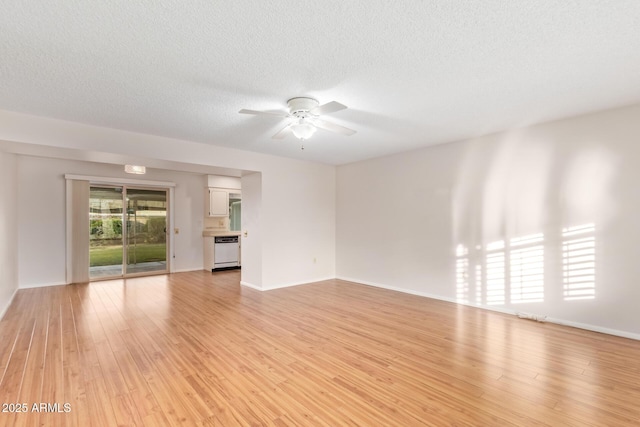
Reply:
x=304, y=118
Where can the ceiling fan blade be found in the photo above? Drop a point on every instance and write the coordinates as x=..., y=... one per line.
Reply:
x=282, y=133
x=329, y=107
x=262, y=113
x=332, y=127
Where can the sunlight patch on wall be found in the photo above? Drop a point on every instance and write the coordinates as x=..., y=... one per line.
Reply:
x=512, y=271
x=462, y=274
x=526, y=264
x=578, y=262
x=495, y=268
x=478, y=284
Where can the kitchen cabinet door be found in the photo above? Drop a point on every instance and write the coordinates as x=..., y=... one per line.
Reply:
x=218, y=202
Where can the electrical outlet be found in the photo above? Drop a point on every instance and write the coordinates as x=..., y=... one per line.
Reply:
x=314, y=260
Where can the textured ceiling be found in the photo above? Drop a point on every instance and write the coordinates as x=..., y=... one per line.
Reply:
x=413, y=73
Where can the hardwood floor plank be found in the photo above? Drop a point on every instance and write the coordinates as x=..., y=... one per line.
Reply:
x=34, y=367
x=12, y=380
x=74, y=380
x=126, y=411
x=101, y=411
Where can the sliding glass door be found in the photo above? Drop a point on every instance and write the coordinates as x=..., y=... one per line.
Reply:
x=128, y=231
x=105, y=232
x=146, y=237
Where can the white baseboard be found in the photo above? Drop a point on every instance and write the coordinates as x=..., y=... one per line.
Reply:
x=4, y=309
x=187, y=270
x=42, y=285
x=563, y=322
x=291, y=284
x=283, y=285
x=594, y=328
x=251, y=285
x=393, y=288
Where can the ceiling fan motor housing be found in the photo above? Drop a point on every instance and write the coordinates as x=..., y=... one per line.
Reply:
x=304, y=117
x=300, y=107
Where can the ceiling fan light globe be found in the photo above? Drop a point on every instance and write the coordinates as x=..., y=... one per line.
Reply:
x=303, y=130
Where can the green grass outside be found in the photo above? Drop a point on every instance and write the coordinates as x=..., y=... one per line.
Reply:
x=112, y=255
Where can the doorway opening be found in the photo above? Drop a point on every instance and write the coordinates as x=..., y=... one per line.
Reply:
x=127, y=231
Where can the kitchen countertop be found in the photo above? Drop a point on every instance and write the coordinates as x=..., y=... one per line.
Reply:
x=214, y=233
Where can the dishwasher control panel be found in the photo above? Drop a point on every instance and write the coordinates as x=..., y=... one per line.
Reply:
x=226, y=239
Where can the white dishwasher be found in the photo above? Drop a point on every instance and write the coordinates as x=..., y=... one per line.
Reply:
x=226, y=252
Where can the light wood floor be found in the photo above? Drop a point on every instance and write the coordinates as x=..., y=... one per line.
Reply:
x=197, y=349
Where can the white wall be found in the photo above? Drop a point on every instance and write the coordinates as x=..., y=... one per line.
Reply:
x=8, y=229
x=298, y=198
x=298, y=225
x=219, y=181
x=41, y=207
x=400, y=218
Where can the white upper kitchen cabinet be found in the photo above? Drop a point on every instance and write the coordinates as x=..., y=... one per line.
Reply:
x=218, y=202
